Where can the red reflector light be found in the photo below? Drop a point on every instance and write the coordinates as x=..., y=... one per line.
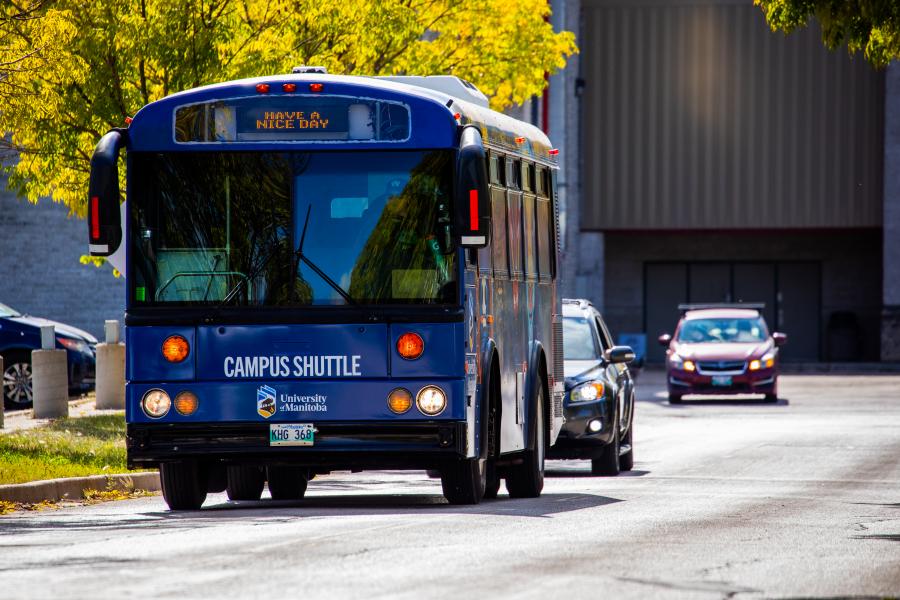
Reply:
x=473, y=210
x=95, y=218
x=457, y=116
x=290, y=88
x=553, y=151
x=316, y=87
x=410, y=345
x=262, y=88
x=128, y=120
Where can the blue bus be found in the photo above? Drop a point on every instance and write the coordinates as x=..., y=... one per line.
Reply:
x=334, y=273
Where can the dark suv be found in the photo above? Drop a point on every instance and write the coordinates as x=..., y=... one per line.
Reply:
x=599, y=401
x=20, y=334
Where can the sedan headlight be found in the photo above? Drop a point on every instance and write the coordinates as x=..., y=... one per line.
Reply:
x=766, y=362
x=587, y=392
x=680, y=363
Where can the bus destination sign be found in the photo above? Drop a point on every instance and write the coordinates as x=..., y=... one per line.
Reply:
x=280, y=120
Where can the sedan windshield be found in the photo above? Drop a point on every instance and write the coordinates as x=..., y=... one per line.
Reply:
x=291, y=229
x=723, y=330
x=6, y=311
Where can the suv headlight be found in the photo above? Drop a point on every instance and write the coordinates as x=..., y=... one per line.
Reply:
x=587, y=392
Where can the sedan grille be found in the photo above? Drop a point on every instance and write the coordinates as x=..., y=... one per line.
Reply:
x=721, y=366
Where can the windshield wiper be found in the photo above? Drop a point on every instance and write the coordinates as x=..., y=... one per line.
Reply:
x=298, y=255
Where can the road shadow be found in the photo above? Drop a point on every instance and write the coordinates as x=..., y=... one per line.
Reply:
x=585, y=471
x=314, y=505
x=663, y=400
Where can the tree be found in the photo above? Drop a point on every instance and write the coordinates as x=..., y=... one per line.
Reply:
x=868, y=26
x=70, y=70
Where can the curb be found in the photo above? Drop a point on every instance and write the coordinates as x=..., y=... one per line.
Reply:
x=73, y=488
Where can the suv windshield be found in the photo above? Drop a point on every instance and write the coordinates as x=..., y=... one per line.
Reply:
x=723, y=330
x=578, y=340
x=291, y=229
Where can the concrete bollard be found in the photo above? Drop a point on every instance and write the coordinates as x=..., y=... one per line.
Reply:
x=49, y=378
x=111, y=370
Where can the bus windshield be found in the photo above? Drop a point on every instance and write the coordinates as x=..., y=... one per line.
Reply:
x=291, y=228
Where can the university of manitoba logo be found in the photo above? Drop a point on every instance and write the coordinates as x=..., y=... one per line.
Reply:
x=265, y=401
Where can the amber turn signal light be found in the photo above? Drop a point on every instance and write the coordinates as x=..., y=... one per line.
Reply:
x=410, y=346
x=175, y=349
x=186, y=403
x=400, y=401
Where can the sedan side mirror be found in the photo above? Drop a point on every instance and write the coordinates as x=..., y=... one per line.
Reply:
x=620, y=354
x=664, y=340
x=780, y=339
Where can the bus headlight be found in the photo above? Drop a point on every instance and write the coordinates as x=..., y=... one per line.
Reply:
x=431, y=400
x=156, y=403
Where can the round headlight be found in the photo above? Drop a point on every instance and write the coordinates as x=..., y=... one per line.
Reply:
x=431, y=400
x=156, y=403
x=400, y=401
x=175, y=348
x=186, y=403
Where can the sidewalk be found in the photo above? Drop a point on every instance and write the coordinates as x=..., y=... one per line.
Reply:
x=20, y=420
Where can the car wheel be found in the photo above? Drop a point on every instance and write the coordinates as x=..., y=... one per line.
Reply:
x=183, y=484
x=245, y=482
x=674, y=399
x=287, y=483
x=607, y=463
x=626, y=460
x=17, y=390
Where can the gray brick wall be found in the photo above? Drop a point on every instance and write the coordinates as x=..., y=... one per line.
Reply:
x=39, y=270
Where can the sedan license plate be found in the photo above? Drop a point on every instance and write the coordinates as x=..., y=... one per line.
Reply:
x=291, y=434
x=721, y=380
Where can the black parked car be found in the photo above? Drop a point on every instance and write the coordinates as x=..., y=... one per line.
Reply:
x=20, y=334
x=599, y=401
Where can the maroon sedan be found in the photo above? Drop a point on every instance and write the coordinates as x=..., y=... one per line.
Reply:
x=722, y=350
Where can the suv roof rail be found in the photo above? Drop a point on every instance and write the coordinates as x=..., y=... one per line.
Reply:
x=757, y=306
x=578, y=301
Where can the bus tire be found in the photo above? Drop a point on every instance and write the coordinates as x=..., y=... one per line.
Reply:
x=492, y=477
x=183, y=485
x=464, y=481
x=526, y=480
x=287, y=483
x=245, y=482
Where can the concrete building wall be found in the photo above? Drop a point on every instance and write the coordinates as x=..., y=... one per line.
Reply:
x=890, y=333
x=40, y=273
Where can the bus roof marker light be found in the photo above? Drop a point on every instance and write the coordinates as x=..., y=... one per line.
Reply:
x=316, y=87
x=520, y=140
x=410, y=346
x=262, y=88
x=553, y=151
x=289, y=88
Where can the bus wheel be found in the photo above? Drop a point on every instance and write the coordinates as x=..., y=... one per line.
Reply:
x=527, y=479
x=183, y=485
x=464, y=481
x=245, y=482
x=287, y=483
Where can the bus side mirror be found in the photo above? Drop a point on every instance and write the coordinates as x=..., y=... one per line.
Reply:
x=104, y=221
x=473, y=208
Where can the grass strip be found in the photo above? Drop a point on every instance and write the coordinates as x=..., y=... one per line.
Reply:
x=72, y=447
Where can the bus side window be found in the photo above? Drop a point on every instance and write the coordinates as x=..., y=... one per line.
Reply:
x=540, y=188
x=514, y=175
x=498, y=234
x=544, y=223
x=528, y=225
x=514, y=210
x=494, y=169
x=528, y=177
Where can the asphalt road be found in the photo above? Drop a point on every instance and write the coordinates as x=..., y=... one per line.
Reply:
x=727, y=500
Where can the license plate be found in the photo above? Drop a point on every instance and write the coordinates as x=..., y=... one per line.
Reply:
x=291, y=434
x=723, y=380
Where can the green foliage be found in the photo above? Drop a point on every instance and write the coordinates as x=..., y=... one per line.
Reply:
x=73, y=447
x=71, y=70
x=868, y=26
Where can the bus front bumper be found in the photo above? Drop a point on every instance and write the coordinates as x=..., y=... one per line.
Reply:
x=337, y=446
